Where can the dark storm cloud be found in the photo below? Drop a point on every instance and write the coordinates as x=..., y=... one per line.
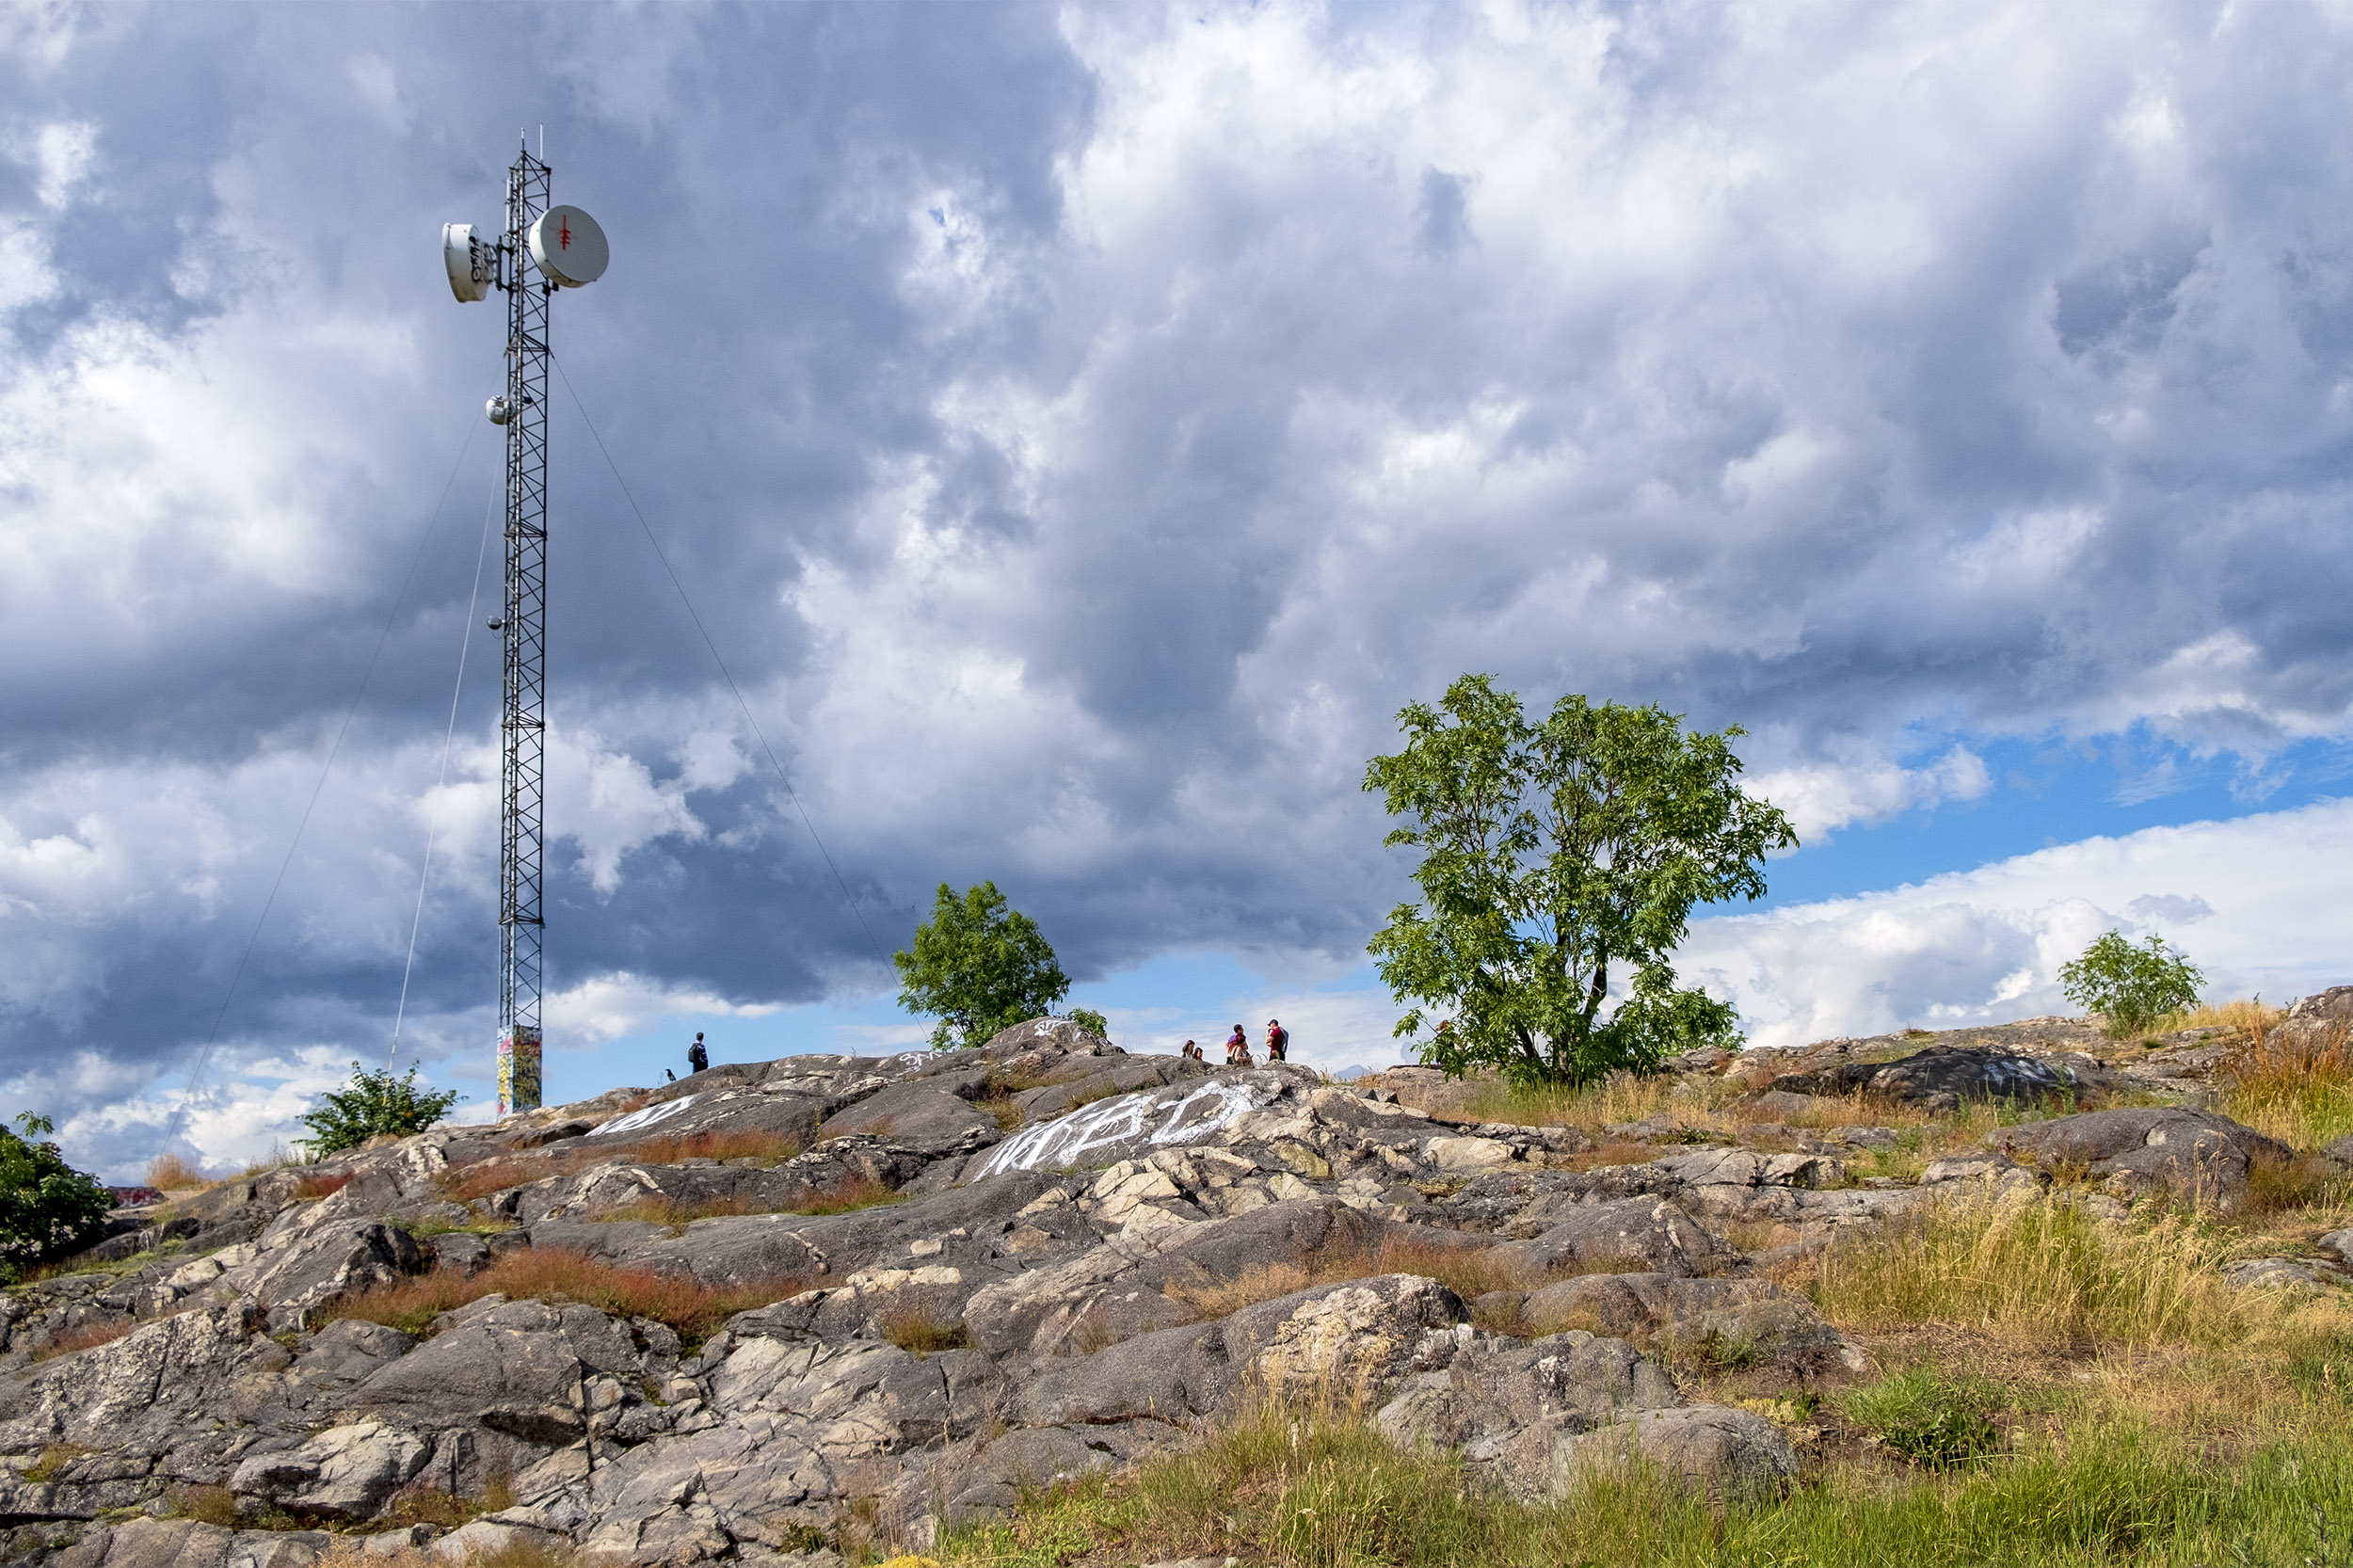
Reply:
x=1080, y=430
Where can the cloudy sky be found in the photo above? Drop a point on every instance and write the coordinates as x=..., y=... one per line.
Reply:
x=1081, y=429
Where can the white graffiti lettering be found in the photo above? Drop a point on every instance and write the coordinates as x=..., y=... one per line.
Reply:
x=1153, y=1119
x=647, y=1117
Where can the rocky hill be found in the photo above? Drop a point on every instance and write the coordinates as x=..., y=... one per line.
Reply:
x=827, y=1304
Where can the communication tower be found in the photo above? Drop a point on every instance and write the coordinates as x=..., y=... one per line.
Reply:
x=543, y=247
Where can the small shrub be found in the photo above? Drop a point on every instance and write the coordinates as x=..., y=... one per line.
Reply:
x=373, y=1103
x=2129, y=986
x=89, y=1336
x=1935, y=1419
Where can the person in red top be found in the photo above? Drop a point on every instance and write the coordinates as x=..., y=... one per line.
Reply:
x=1278, y=1042
x=1238, y=1048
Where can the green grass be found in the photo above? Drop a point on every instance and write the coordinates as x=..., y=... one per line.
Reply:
x=1307, y=1490
x=1931, y=1416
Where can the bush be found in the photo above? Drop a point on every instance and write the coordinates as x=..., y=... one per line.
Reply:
x=47, y=1209
x=1935, y=1419
x=2130, y=986
x=373, y=1103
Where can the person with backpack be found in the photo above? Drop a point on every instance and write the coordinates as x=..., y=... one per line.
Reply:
x=696, y=1057
x=1278, y=1042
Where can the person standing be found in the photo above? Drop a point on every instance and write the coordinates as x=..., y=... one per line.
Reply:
x=1238, y=1048
x=696, y=1057
x=1278, y=1042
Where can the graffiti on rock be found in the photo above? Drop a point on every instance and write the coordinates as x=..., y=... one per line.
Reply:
x=1153, y=1119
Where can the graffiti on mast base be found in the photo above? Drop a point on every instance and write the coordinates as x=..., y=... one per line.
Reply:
x=519, y=1070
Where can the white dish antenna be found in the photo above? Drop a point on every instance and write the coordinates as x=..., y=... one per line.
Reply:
x=471, y=260
x=569, y=246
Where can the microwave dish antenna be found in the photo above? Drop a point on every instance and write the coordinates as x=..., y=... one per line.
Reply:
x=544, y=248
x=567, y=248
x=471, y=260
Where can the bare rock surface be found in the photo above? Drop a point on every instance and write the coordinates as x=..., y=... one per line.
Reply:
x=948, y=1277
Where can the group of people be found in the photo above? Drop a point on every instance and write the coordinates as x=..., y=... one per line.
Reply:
x=1278, y=1045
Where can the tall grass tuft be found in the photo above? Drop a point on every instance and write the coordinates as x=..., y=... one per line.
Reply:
x=168, y=1172
x=2298, y=1091
x=684, y=1303
x=2035, y=1269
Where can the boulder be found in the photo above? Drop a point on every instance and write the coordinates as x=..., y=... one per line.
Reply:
x=1943, y=1076
x=2318, y=1021
x=2194, y=1157
x=1729, y=1455
x=1735, y=1323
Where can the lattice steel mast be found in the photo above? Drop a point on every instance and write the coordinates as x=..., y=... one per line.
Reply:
x=543, y=247
x=522, y=725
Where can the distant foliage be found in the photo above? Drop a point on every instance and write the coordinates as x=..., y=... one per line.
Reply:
x=1088, y=1018
x=979, y=966
x=47, y=1209
x=2130, y=986
x=372, y=1103
x=1553, y=855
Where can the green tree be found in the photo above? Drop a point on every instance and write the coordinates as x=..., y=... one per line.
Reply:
x=979, y=965
x=2130, y=986
x=1552, y=854
x=372, y=1103
x=48, y=1209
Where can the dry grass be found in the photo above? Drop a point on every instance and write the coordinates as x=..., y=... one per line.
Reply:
x=489, y=1176
x=919, y=1331
x=687, y=1304
x=89, y=1336
x=168, y=1172
x=313, y=1188
x=856, y=1192
x=2039, y=1269
x=2300, y=1093
x=52, y=1462
x=2243, y=1016
x=210, y=1505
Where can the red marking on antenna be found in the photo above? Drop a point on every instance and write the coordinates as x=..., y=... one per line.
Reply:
x=564, y=235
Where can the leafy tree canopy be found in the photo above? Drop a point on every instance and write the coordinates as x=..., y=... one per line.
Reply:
x=47, y=1209
x=979, y=965
x=372, y=1103
x=1551, y=855
x=2130, y=986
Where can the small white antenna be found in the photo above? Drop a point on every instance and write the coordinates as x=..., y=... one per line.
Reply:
x=543, y=144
